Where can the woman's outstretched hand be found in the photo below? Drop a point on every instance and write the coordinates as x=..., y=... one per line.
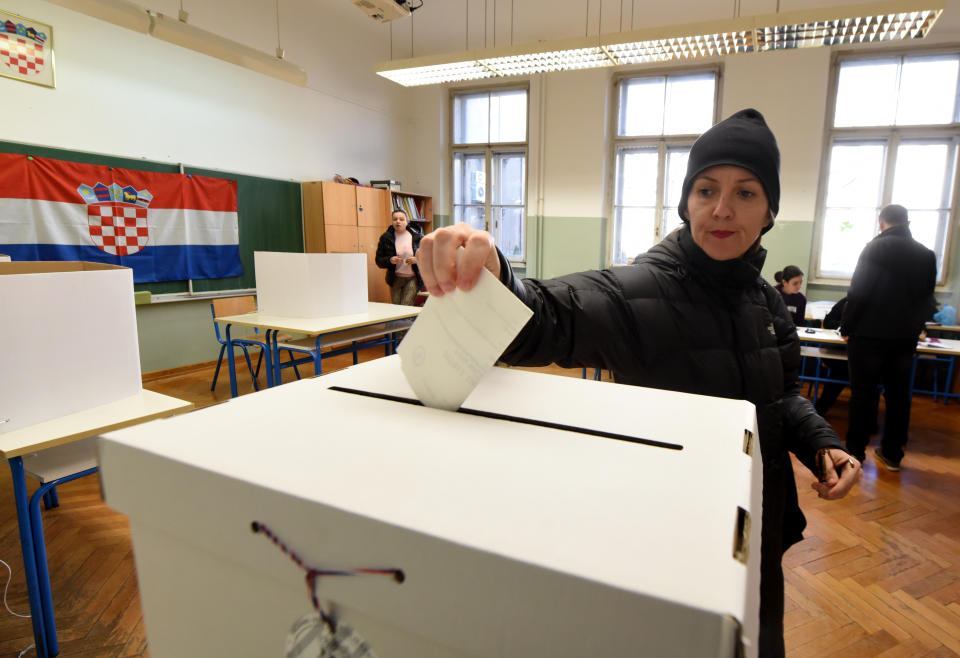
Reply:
x=443, y=270
x=841, y=473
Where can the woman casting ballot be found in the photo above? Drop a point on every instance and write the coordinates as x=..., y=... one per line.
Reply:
x=692, y=314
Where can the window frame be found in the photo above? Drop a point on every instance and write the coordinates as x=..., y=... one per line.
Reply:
x=489, y=150
x=662, y=143
x=892, y=136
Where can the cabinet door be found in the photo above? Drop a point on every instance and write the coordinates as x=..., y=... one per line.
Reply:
x=339, y=204
x=342, y=239
x=377, y=287
x=373, y=206
x=314, y=237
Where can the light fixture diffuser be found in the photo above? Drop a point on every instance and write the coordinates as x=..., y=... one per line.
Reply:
x=132, y=16
x=183, y=34
x=119, y=12
x=862, y=23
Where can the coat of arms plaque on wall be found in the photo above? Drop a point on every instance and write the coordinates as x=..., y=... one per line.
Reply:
x=26, y=49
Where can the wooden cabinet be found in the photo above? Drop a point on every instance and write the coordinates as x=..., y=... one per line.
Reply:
x=339, y=218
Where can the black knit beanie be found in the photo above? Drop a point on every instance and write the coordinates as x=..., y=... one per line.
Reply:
x=743, y=140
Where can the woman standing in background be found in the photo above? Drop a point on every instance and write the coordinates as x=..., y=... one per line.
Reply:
x=395, y=254
x=789, y=281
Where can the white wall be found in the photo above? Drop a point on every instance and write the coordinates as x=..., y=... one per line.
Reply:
x=124, y=93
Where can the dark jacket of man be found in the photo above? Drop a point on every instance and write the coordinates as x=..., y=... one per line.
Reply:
x=681, y=321
x=834, y=317
x=891, y=292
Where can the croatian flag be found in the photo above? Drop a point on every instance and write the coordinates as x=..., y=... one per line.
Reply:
x=167, y=227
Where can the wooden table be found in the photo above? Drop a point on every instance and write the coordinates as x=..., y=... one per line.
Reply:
x=377, y=313
x=940, y=347
x=16, y=445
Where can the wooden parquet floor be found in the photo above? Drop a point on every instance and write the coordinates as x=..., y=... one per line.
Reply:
x=877, y=575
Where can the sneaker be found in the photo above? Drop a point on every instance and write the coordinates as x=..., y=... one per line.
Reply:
x=886, y=463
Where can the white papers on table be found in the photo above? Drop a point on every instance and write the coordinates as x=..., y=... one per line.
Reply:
x=457, y=337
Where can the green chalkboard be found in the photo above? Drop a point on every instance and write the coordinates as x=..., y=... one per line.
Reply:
x=268, y=210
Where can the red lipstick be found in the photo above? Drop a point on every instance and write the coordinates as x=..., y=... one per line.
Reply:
x=721, y=234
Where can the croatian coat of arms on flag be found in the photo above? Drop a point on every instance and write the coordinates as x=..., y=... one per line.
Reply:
x=117, y=217
x=26, y=49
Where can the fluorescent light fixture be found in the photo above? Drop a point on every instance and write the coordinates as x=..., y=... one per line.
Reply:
x=119, y=12
x=863, y=23
x=134, y=17
x=188, y=36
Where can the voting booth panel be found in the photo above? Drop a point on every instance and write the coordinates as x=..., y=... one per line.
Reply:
x=310, y=285
x=68, y=333
x=560, y=517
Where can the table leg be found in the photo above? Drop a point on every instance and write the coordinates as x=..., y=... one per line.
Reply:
x=232, y=365
x=40, y=556
x=272, y=355
x=29, y=556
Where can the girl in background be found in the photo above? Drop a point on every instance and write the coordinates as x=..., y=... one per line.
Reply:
x=789, y=281
x=395, y=254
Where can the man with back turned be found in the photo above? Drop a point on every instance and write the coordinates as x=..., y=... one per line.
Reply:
x=889, y=298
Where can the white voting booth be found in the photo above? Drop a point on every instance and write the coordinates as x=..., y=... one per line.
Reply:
x=68, y=339
x=310, y=285
x=625, y=523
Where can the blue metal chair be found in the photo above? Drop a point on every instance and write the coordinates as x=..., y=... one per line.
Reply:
x=244, y=342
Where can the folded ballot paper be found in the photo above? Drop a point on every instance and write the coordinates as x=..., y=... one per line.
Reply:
x=457, y=338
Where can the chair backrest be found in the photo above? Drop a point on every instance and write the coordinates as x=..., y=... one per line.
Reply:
x=234, y=305
x=223, y=306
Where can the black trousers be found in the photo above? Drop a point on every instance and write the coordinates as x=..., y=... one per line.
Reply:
x=874, y=363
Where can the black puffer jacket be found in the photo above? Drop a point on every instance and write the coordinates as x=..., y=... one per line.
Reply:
x=387, y=249
x=681, y=321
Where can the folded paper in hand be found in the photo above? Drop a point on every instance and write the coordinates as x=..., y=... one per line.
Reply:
x=456, y=338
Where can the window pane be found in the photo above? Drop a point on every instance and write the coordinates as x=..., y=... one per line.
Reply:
x=928, y=90
x=508, y=178
x=641, y=106
x=866, y=93
x=689, y=104
x=472, y=215
x=924, y=226
x=634, y=233
x=469, y=178
x=508, y=231
x=471, y=117
x=671, y=220
x=508, y=116
x=637, y=179
x=845, y=232
x=676, y=170
x=921, y=172
x=855, y=173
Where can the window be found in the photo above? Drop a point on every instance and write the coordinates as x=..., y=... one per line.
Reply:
x=893, y=139
x=490, y=165
x=658, y=119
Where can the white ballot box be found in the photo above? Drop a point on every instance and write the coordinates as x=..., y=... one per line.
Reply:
x=550, y=516
x=68, y=339
x=310, y=285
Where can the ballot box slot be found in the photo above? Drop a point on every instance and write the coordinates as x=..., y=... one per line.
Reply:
x=519, y=419
x=748, y=442
x=741, y=538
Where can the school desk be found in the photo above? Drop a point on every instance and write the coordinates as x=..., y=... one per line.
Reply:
x=323, y=329
x=58, y=433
